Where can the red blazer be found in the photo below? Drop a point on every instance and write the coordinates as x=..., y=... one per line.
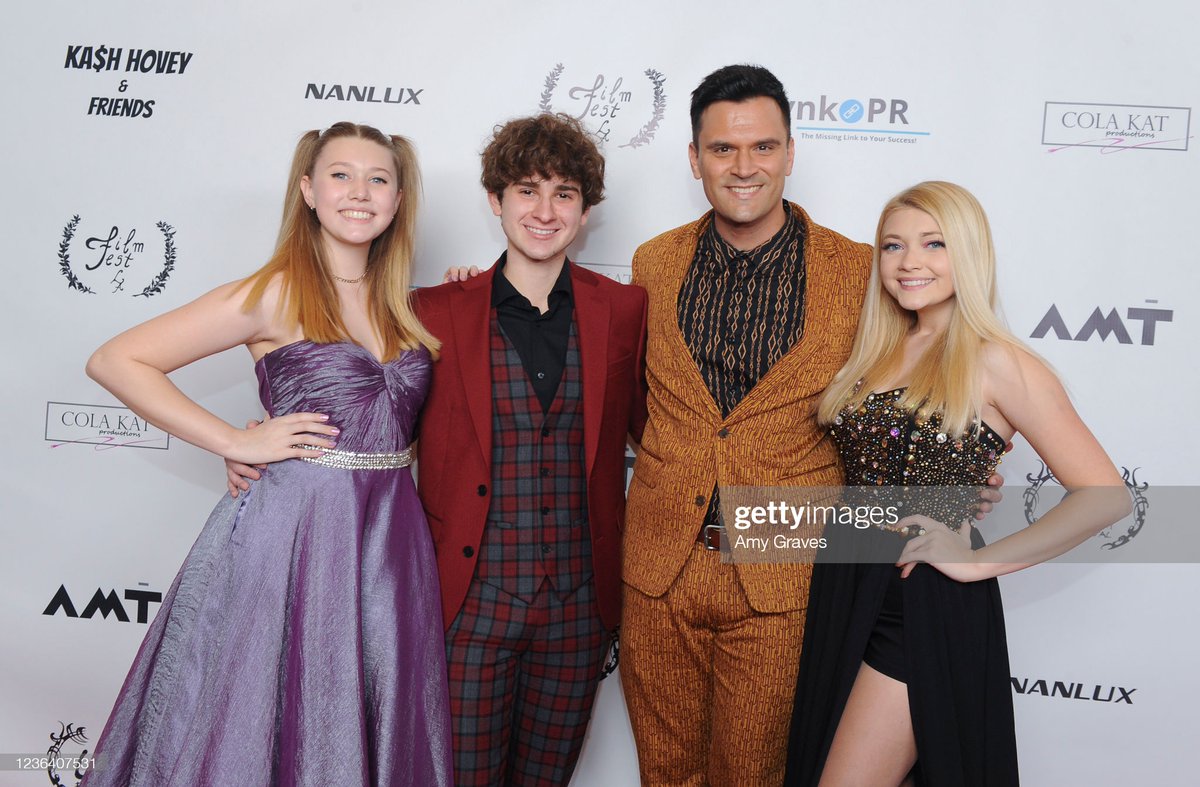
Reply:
x=454, y=449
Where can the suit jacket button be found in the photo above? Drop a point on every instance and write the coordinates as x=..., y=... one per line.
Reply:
x=482, y=490
x=468, y=551
x=699, y=500
x=723, y=433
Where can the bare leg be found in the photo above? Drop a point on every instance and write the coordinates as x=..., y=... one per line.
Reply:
x=874, y=742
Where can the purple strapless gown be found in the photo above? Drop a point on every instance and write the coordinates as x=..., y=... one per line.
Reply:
x=301, y=642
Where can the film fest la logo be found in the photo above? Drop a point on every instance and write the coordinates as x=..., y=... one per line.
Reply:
x=116, y=259
x=1138, y=325
x=617, y=108
x=1115, y=128
x=102, y=426
x=57, y=760
x=128, y=66
x=1109, y=538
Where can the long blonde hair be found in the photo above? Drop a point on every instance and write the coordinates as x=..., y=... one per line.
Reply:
x=946, y=379
x=309, y=299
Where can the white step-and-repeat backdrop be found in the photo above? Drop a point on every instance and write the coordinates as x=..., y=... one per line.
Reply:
x=147, y=147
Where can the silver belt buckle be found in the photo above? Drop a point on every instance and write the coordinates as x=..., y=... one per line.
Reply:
x=710, y=537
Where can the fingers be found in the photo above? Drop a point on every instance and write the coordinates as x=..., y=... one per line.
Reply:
x=308, y=428
x=460, y=273
x=244, y=473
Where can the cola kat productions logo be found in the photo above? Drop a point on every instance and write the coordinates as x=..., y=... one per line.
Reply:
x=1101, y=325
x=133, y=61
x=115, y=258
x=1109, y=539
x=627, y=111
x=1115, y=127
x=101, y=425
x=874, y=120
x=622, y=274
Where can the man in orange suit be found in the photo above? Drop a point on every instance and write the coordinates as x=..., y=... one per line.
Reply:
x=753, y=309
x=521, y=462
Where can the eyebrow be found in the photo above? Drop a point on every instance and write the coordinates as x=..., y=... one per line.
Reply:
x=347, y=164
x=721, y=143
x=557, y=186
x=897, y=237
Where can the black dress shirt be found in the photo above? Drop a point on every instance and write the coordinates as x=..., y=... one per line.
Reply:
x=539, y=339
x=740, y=312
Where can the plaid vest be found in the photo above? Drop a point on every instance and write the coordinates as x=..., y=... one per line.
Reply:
x=537, y=524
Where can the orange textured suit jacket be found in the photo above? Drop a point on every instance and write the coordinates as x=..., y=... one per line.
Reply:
x=771, y=437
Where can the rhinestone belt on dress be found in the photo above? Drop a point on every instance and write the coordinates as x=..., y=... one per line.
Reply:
x=353, y=460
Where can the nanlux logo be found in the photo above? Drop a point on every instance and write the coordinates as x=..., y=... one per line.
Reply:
x=105, y=604
x=363, y=93
x=1092, y=692
x=1105, y=325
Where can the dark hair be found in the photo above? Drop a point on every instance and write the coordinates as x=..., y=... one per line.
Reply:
x=738, y=83
x=545, y=145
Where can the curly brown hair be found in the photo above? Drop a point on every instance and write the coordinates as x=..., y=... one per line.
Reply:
x=546, y=145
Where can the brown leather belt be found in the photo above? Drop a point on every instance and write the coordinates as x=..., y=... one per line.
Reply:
x=711, y=536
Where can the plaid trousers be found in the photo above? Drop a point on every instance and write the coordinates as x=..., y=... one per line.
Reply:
x=522, y=681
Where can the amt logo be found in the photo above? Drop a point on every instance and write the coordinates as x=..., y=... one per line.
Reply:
x=1105, y=325
x=105, y=603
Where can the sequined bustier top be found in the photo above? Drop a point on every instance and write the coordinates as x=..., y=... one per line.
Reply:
x=884, y=445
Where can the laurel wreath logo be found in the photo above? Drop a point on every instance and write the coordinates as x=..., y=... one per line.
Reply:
x=67, y=734
x=551, y=83
x=646, y=134
x=156, y=284
x=1140, y=504
x=64, y=261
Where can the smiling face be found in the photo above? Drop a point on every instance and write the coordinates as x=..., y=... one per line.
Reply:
x=743, y=155
x=540, y=218
x=354, y=190
x=914, y=265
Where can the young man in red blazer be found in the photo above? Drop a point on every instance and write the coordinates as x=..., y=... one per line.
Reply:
x=521, y=462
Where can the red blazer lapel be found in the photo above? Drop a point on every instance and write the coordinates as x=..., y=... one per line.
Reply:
x=592, y=311
x=471, y=319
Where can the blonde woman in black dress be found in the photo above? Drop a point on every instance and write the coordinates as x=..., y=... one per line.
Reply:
x=904, y=672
